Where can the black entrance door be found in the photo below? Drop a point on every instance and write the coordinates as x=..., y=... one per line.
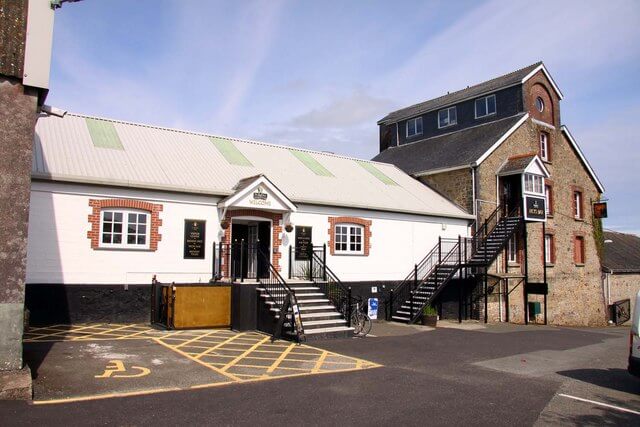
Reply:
x=511, y=192
x=250, y=253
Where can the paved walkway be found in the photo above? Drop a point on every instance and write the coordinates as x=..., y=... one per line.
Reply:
x=84, y=362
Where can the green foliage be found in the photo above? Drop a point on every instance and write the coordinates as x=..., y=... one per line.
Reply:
x=598, y=236
x=428, y=310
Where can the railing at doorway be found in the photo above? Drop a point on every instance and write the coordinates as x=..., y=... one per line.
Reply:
x=239, y=261
x=303, y=262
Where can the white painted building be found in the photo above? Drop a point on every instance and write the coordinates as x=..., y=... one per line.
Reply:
x=110, y=202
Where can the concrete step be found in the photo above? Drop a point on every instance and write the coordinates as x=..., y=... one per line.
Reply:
x=328, y=333
x=397, y=318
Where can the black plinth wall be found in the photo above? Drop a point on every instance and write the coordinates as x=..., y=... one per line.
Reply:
x=244, y=300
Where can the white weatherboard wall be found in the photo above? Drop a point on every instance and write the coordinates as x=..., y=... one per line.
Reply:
x=60, y=252
x=398, y=241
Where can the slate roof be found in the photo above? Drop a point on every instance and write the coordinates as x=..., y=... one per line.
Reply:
x=459, y=148
x=157, y=158
x=516, y=165
x=622, y=254
x=492, y=85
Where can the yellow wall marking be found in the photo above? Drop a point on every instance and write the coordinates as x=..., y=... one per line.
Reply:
x=118, y=366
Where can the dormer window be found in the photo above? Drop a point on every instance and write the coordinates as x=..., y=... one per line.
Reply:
x=414, y=127
x=485, y=106
x=447, y=117
x=533, y=183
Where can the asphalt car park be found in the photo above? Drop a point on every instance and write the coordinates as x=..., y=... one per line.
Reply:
x=456, y=374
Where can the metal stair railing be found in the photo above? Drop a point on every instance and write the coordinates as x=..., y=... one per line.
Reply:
x=278, y=292
x=418, y=275
x=496, y=221
x=339, y=294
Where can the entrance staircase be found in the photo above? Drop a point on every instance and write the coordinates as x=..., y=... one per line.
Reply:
x=323, y=301
x=448, y=259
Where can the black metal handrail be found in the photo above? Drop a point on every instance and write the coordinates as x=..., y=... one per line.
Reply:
x=420, y=273
x=489, y=226
x=332, y=287
x=301, y=263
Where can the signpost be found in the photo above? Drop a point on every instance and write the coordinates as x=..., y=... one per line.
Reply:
x=194, y=238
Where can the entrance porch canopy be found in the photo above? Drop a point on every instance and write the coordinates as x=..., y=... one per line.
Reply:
x=257, y=192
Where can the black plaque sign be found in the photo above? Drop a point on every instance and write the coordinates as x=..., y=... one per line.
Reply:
x=194, y=238
x=303, y=243
x=534, y=209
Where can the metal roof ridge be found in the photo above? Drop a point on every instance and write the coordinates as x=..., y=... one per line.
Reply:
x=209, y=135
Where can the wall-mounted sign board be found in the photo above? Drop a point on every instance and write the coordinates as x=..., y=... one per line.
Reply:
x=600, y=210
x=534, y=209
x=194, y=239
x=303, y=243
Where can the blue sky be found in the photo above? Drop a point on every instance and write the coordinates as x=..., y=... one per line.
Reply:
x=320, y=74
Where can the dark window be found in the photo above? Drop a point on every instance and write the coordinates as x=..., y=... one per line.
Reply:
x=485, y=106
x=414, y=127
x=447, y=117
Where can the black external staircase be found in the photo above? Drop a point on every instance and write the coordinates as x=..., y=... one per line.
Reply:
x=451, y=258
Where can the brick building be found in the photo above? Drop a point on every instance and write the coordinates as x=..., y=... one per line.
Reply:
x=621, y=271
x=494, y=147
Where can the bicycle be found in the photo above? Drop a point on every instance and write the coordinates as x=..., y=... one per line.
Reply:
x=360, y=321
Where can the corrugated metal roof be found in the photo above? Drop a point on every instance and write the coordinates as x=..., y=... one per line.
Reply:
x=176, y=160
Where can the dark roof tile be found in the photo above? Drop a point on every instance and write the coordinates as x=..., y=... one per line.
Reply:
x=459, y=148
x=622, y=254
x=451, y=98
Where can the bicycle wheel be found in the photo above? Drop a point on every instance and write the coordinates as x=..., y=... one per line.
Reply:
x=366, y=325
x=356, y=323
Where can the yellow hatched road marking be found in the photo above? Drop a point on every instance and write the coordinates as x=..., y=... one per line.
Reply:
x=281, y=358
x=182, y=344
x=246, y=353
x=62, y=332
x=316, y=368
x=217, y=346
x=195, y=359
x=99, y=333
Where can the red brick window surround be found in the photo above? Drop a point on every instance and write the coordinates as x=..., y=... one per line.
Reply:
x=545, y=146
x=577, y=200
x=98, y=205
x=549, y=247
x=345, y=221
x=578, y=249
x=548, y=192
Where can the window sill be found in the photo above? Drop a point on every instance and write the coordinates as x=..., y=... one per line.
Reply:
x=577, y=264
x=550, y=265
x=513, y=264
x=124, y=249
x=547, y=162
x=578, y=219
x=550, y=215
x=345, y=254
x=447, y=126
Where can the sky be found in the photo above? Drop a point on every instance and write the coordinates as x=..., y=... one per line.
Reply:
x=319, y=74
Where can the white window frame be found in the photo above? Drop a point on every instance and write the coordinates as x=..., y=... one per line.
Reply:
x=548, y=248
x=512, y=250
x=577, y=207
x=544, y=146
x=534, y=184
x=125, y=227
x=415, y=126
x=541, y=101
x=448, y=115
x=486, y=106
x=547, y=207
x=350, y=228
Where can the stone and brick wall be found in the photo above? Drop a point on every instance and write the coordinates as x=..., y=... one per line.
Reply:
x=349, y=220
x=457, y=185
x=624, y=286
x=17, y=121
x=539, y=86
x=97, y=205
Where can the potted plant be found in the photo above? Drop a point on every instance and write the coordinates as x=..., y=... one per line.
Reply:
x=224, y=224
x=429, y=316
x=288, y=228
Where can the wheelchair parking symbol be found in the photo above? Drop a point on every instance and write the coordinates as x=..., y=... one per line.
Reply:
x=116, y=369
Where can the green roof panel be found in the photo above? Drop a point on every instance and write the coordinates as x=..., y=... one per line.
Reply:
x=376, y=172
x=311, y=163
x=230, y=152
x=103, y=134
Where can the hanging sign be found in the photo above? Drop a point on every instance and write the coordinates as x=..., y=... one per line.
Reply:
x=534, y=209
x=303, y=243
x=194, y=238
x=600, y=210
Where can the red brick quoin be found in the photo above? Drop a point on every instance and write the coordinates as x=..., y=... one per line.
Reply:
x=276, y=233
x=98, y=205
x=349, y=220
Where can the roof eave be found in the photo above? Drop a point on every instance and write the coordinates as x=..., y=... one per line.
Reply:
x=546, y=73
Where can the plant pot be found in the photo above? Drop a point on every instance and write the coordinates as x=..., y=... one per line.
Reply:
x=430, y=321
